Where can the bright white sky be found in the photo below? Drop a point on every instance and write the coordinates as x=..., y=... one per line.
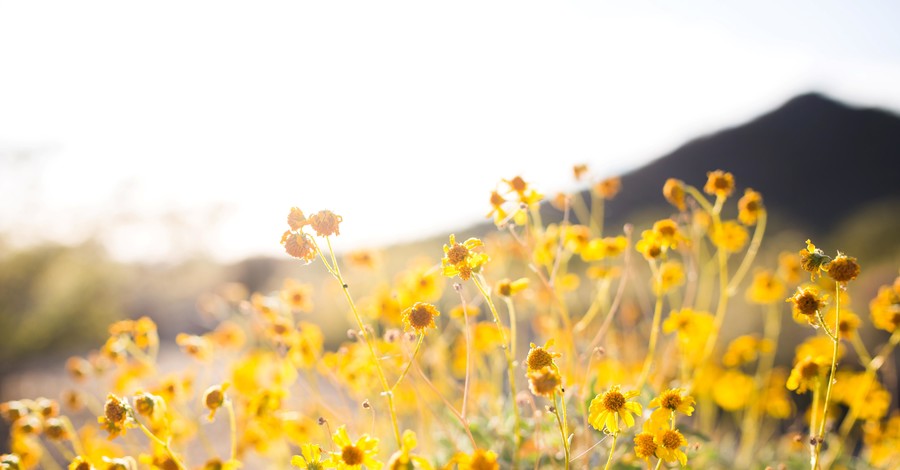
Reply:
x=402, y=116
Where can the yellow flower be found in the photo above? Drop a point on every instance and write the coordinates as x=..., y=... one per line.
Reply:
x=842, y=268
x=806, y=303
x=78, y=463
x=817, y=346
x=116, y=416
x=883, y=441
x=813, y=259
x=299, y=245
x=214, y=398
x=307, y=346
x=310, y=458
x=807, y=373
x=479, y=460
x=775, y=400
x=730, y=236
x=670, y=276
x=544, y=382
x=673, y=191
x=508, y=288
x=602, y=248
x=863, y=393
x=403, y=459
x=650, y=245
x=745, y=349
x=669, y=443
x=766, y=288
x=353, y=456
x=645, y=446
x=606, y=409
x=368, y=259
x=420, y=282
x=579, y=171
x=460, y=259
x=692, y=328
x=325, y=223
x=789, y=267
x=848, y=324
x=497, y=211
x=608, y=188
x=296, y=220
x=526, y=194
x=668, y=233
x=719, y=183
x=733, y=389
x=540, y=357
x=885, y=307
x=670, y=402
x=576, y=237
x=749, y=207
x=198, y=347
x=420, y=316
x=297, y=296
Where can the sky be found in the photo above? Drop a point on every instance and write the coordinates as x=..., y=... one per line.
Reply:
x=163, y=128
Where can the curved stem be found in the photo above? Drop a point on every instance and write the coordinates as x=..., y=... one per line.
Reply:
x=750, y=255
x=232, y=424
x=164, y=444
x=411, y=360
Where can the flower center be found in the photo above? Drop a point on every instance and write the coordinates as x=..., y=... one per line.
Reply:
x=352, y=455
x=613, y=401
x=457, y=253
x=671, y=439
x=671, y=401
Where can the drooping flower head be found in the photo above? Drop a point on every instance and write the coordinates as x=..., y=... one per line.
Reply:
x=544, y=382
x=812, y=260
x=673, y=191
x=842, y=268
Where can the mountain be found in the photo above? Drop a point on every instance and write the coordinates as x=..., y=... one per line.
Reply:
x=815, y=161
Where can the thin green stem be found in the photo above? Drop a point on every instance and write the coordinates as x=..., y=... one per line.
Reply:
x=509, y=360
x=164, y=444
x=561, y=422
x=612, y=450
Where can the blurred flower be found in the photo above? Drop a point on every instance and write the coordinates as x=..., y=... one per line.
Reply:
x=673, y=191
x=719, y=183
x=749, y=207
